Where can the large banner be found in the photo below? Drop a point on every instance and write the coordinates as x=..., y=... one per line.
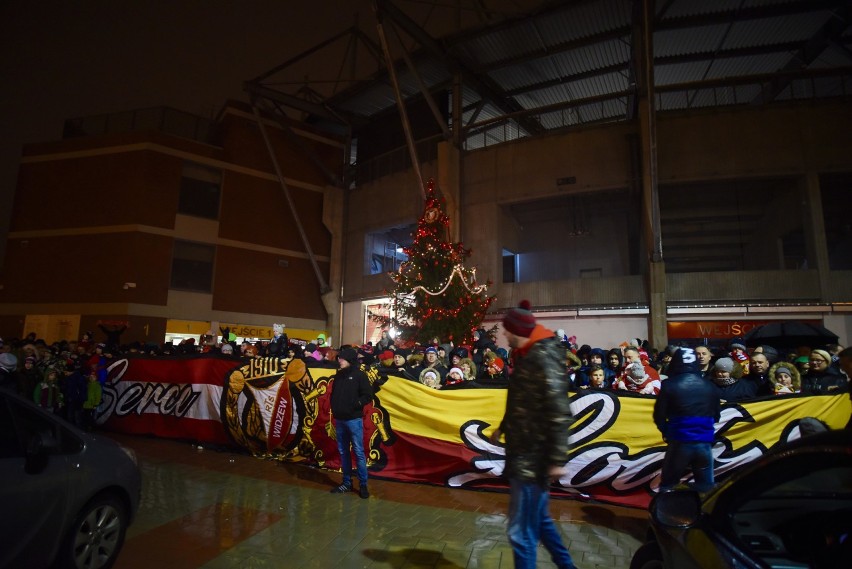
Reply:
x=280, y=409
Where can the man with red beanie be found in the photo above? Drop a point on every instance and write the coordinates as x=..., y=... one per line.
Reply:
x=535, y=425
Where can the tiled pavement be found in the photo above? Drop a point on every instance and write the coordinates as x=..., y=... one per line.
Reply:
x=212, y=509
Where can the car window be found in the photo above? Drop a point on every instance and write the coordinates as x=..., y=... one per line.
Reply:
x=828, y=481
x=801, y=512
x=21, y=422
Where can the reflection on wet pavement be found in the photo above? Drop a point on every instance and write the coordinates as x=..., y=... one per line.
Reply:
x=217, y=508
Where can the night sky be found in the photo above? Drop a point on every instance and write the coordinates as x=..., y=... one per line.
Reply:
x=63, y=59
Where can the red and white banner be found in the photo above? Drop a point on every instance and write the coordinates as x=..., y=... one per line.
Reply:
x=277, y=408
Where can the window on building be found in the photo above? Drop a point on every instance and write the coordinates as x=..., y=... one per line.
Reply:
x=200, y=191
x=384, y=248
x=836, y=190
x=510, y=267
x=556, y=238
x=192, y=266
x=733, y=225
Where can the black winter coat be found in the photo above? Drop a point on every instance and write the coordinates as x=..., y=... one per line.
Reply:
x=350, y=391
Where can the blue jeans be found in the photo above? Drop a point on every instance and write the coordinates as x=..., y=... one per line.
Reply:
x=682, y=455
x=351, y=432
x=530, y=522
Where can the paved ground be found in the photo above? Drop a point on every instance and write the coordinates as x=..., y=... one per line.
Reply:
x=206, y=508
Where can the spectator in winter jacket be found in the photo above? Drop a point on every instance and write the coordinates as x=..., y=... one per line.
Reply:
x=637, y=380
x=784, y=378
x=704, y=359
x=468, y=368
x=596, y=378
x=535, y=424
x=280, y=343
x=613, y=366
x=822, y=376
x=632, y=354
x=494, y=372
x=759, y=373
x=431, y=362
x=685, y=413
x=732, y=386
x=457, y=355
x=350, y=392
x=401, y=366
x=76, y=393
x=98, y=363
x=94, y=393
x=385, y=342
x=47, y=394
x=28, y=377
x=454, y=377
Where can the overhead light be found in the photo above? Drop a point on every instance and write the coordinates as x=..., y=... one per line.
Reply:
x=705, y=309
x=798, y=308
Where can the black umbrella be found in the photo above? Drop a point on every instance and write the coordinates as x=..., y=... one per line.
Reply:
x=790, y=334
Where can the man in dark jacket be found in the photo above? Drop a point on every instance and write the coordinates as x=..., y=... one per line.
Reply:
x=759, y=373
x=705, y=361
x=350, y=391
x=685, y=412
x=730, y=383
x=536, y=424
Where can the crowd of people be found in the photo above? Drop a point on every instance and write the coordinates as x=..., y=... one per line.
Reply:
x=65, y=376
x=736, y=372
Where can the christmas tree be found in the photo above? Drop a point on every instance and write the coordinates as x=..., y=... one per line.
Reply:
x=434, y=294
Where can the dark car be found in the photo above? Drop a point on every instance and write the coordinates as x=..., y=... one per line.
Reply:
x=66, y=496
x=790, y=509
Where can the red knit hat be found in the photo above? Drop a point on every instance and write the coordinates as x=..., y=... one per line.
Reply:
x=520, y=321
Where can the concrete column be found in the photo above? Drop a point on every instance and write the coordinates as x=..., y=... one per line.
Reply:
x=449, y=182
x=333, y=218
x=658, y=334
x=817, y=246
x=643, y=57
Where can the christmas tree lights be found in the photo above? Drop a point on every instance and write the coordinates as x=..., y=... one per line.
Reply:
x=434, y=294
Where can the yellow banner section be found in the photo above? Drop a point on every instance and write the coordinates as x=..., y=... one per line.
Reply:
x=198, y=328
x=437, y=414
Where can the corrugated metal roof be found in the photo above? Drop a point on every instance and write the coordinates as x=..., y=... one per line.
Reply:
x=684, y=8
x=512, y=42
x=561, y=66
x=680, y=73
x=778, y=29
x=752, y=65
x=700, y=39
x=584, y=20
x=579, y=54
x=595, y=56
